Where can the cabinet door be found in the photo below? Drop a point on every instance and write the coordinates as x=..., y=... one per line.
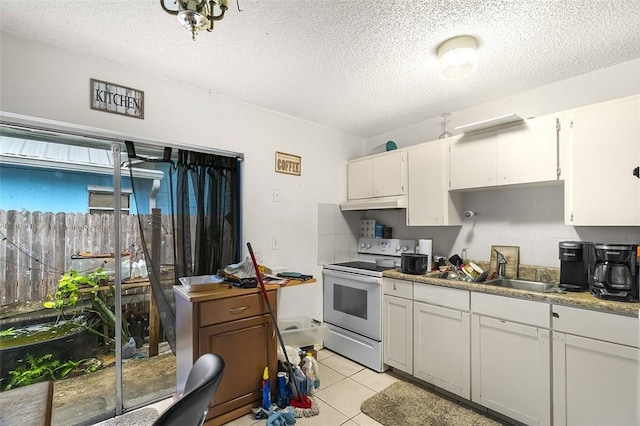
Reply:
x=397, y=320
x=429, y=201
x=604, y=151
x=390, y=174
x=441, y=347
x=528, y=152
x=594, y=382
x=510, y=369
x=473, y=161
x=247, y=346
x=359, y=175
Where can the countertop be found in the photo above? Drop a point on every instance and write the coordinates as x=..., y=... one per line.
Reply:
x=577, y=299
x=225, y=290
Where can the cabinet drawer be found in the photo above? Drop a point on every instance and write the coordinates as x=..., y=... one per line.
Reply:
x=516, y=310
x=596, y=325
x=233, y=308
x=397, y=288
x=442, y=296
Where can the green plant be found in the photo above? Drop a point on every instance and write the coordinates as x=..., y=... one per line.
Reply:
x=45, y=368
x=69, y=292
x=7, y=333
x=69, y=286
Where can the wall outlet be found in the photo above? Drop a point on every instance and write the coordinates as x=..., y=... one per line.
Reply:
x=275, y=243
x=276, y=195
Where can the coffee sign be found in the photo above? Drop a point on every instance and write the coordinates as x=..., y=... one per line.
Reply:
x=288, y=163
x=109, y=97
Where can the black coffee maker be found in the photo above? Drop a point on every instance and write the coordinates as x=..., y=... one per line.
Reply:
x=615, y=274
x=576, y=260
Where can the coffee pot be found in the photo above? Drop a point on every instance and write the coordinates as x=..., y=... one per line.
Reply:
x=615, y=272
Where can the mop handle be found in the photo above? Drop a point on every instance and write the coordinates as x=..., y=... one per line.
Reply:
x=273, y=318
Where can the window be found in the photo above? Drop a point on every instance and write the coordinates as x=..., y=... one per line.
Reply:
x=101, y=200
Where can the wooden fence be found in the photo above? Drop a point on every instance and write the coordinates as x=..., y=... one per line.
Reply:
x=36, y=247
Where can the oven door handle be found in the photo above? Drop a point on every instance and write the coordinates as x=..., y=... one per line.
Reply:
x=353, y=277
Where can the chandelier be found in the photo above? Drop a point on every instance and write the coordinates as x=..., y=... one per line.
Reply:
x=197, y=15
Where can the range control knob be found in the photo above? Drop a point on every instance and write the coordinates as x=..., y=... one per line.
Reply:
x=405, y=248
x=362, y=245
x=397, y=248
x=368, y=245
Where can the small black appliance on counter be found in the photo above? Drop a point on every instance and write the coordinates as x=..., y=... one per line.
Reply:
x=415, y=264
x=576, y=262
x=616, y=274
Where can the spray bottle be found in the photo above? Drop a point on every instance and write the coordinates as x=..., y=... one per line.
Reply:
x=266, y=390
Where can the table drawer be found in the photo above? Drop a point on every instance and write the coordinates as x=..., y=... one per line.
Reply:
x=596, y=325
x=233, y=308
x=511, y=309
x=397, y=288
x=442, y=296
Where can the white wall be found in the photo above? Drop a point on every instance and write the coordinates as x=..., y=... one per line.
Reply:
x=531, y=218
x=45, y=82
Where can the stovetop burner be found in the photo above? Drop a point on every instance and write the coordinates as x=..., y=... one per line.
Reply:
x=368, y=266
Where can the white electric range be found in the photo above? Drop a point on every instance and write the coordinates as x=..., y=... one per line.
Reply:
x=352, y=300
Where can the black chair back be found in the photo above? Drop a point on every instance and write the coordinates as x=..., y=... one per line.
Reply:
x=202, y=382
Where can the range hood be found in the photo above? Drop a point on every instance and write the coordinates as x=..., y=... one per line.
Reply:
x=503, y=120
x=399, y=202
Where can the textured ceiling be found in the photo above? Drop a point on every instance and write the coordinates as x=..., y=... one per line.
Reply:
x=365, y=67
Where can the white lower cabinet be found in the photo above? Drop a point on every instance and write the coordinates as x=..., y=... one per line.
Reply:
x=511, y=361
x=595, y=382
x=397, y=320
x=441, y=342
x=441, y=348
x=500, y=352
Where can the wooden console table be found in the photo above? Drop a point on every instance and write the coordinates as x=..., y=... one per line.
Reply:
x=235, y=324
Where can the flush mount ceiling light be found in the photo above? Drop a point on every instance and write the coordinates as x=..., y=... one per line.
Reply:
x=457, y=57
x=196, y=15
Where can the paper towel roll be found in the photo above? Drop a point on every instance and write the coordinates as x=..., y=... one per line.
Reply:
x=425, y=246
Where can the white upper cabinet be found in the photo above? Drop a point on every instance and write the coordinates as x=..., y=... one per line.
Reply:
x=523, y=153
x=604, y=153
x=383, y=175
x=359, y=179
x=429, y=201
x=529, y=152
x=473, y=161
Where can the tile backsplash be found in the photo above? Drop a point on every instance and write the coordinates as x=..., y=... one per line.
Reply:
x=337, y=235
x=531, y=218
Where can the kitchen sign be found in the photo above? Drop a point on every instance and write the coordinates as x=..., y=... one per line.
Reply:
x=288, y=164
x=117, y=99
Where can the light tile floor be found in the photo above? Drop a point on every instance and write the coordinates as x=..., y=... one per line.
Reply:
x=344, y=385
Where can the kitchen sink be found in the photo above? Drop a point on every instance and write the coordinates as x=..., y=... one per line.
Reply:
x=524, y=285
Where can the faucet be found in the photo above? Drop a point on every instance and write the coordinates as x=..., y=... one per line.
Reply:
x=501, y=263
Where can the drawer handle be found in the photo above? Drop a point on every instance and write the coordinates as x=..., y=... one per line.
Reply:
x=394, y=286
x=238, y=310
x=555, y=315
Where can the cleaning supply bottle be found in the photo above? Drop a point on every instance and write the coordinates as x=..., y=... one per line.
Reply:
x=283, y=394
x=298, y=383
x=310, y=369
x=266, y=390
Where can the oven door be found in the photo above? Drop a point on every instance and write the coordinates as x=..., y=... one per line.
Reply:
x=353, y=302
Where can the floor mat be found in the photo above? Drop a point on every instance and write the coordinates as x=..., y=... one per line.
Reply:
x=405, y=404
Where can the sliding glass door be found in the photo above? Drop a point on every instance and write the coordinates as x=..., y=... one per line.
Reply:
x=74, y=275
